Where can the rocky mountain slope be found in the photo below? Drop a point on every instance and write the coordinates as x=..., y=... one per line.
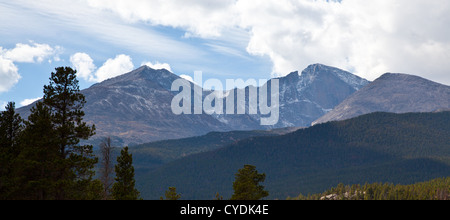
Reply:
x=306, y=96
x=396, y=93
x=135, y=108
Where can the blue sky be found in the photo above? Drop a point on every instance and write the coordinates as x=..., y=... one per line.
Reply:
x=223, y=38
x=103, y=36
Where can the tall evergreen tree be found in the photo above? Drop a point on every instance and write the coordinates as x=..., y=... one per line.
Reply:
x=10, y=131
x=124, y=187
x=247, y=184
x=76, y=162
x=37, y=164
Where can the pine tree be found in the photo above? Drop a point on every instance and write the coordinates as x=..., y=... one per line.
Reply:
x=10, y=128
x=37, y=164
x=172, y=194
x=247, y=184
x=10, y=131
x=124, y=187
x=75, y=162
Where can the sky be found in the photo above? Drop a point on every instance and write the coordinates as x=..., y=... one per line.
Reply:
x=225, y=39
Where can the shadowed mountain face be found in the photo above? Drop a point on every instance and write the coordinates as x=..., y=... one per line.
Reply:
x=396, y=93
x=135, y=108
x=315, y=92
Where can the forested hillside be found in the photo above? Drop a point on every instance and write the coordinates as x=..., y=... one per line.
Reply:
x=437, y=189
x=379, y=147
x=155, y=154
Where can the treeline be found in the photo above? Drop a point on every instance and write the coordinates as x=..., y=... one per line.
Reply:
x=437, y=189
x=41, y=158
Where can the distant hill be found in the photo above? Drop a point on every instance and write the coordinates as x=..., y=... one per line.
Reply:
x=155, y=154
x=379, y=147
x=396, y=93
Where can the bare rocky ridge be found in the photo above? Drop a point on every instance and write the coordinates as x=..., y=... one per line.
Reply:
x=306, y=96
x=392, y=92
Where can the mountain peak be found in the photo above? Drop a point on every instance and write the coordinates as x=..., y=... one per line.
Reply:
x=317, y=67
x=315, y=70
x=148, y=68
x=144, y=73
x=151, y=73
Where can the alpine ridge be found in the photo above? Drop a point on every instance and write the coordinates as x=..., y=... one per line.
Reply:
x=392, y=92
x=135, y=108
x=306, y=96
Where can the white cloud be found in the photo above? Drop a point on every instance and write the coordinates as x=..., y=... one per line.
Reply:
x=29, y=18
x=9, y=74
x=157, y=65
x=84, y=65
x=29, y=101
x=188, y=78
x=22, y=53
x=365, y=37
x=34, y=53
x=205, y=18
x=114, y=67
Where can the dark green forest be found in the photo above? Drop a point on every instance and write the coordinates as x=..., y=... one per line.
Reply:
x=379, y=147
x=42, y=159
x=152, y=155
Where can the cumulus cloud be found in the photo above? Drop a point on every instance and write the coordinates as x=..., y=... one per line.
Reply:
x=157, y=65
x=9, y=74
x=368, y=38
x=85, y=67
x=34, y=53
x=29, y=101
x=114, y=67
x=22, y=53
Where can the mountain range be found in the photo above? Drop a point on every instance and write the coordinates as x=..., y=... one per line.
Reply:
x=305, y=96
x=135, y=108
